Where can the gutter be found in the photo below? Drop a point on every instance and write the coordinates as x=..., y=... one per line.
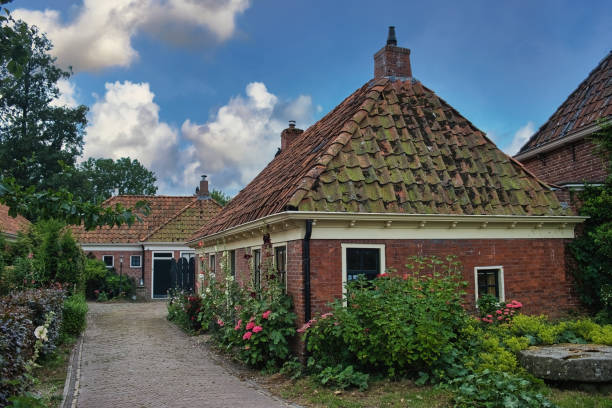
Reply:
x=306, y=269
x=142, y=265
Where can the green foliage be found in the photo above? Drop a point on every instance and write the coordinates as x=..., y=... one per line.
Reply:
x=494, y=389
x=487, y=304
x=293, y=369
x=398, y=324
x=183, y=309
x=220, y=197
x=74, y=315
x=36, y=136
x=343, y=377
x=102, y=283
x=95, y=180
x=593, y=249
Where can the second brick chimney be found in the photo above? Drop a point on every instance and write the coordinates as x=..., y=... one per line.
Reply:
x=391, y=60
x=202, y=191
x=289, y=135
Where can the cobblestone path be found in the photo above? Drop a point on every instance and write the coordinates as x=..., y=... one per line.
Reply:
x=133, y=357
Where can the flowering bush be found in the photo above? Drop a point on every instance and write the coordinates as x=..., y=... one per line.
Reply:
x=493, y=311
x=400, y=323
x=184, y=309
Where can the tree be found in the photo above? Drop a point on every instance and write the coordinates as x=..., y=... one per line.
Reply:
x=593, y=249
x=36, y=137
x=97, y=179
x=220, y=197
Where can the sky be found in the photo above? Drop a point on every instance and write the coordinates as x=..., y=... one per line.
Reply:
x=192, y=87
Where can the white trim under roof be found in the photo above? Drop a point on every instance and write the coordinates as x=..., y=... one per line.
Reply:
x=288, y=226
x=148, y=246
x=555, y=144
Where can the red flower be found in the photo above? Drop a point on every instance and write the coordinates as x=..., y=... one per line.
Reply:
x=200, y=244
x=266, y=314
x=247, y=336
x=237, y=327
x=498, y=311
x=257, y=329
x=220, y=322
x=382, y=275
x=250, y=325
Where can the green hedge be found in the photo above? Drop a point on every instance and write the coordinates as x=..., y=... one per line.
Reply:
x=74, y=315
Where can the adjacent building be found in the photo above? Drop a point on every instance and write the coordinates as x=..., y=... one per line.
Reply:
x=145, y=250
x=11, y=226
x=394, y=171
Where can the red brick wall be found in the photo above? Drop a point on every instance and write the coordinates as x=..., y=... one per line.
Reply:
x=569, y=164
x=534, y=269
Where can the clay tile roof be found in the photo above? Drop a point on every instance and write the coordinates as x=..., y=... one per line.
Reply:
x=172, y=219
x=395, y=147
x=10, y=225
x=592, y=100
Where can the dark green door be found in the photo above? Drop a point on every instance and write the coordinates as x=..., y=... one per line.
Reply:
x=162, y=262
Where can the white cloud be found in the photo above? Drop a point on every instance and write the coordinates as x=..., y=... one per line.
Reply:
x=520, y=137
x=231, y=147
x=101, y=34
x=67, y=94
x=126, y=123
x=243, y=136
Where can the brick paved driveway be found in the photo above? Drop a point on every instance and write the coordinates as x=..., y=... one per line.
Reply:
x=132, y=357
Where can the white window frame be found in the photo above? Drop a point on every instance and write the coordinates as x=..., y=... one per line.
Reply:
x=112, y=265
x=346, y=245
x=500, y=279
x=190, y=254
x=139, y=261
x=212, y=262
x=274, y=246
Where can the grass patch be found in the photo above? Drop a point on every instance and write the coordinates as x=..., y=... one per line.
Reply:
x=382, y=393
x=404, y=393
x=51, y=375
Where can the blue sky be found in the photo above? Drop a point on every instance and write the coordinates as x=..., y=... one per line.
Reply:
x=194, y=87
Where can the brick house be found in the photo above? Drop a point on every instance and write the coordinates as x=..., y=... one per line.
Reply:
x=10, y=226
x=394, y=171
x=144, y=250
x=560, y=152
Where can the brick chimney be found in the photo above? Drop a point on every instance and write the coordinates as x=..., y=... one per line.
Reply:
x=202, y=191
x=289, y=135
x=391, y=60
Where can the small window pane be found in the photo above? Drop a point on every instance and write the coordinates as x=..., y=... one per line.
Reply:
x=362, y=261
x=232, y=262
x=163, y=255
x=280, y=260
x=257, y=268
x=135, y=261
x=488, y=282
x=213, y=263
x=108, y=260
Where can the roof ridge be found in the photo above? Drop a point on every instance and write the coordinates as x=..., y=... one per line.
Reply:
x=335, y=146
x=164, y=223
x=588, y=78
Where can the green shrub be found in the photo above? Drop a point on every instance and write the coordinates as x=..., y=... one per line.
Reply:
x=183, y=310
x=399, y=324
x=343, y=377
x=74, y=315
x=494, y=389
x=99, y=279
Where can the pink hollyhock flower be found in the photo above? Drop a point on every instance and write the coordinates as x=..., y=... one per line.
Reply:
x=250, y=325
x=237, y=327
x=266, y=314
x=30, y=255
x=257, y=329
x=305, y=327
x=220, y=322
x=489, y=316
x=498, y=311
x=499, y=317
x=247, y=336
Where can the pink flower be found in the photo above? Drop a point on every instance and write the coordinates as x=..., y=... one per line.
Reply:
x=499, y=317
x=30, y=255
x=257, y=329
x=326, y=315
x=382, y=275
x=250, y=325
x=498, y=312
x=220, y=322
x=237, y=327
x=266, y=314
x=247, y=335
x=305, y=327
x=489, y=316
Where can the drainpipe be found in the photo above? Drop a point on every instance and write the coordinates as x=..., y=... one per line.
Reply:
x=142, y=265
x=306, y=269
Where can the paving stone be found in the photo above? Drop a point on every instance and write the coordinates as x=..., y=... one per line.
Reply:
x=133, y=357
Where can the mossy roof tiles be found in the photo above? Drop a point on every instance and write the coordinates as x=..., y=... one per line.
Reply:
x=591, y=101
x=172, y=219
x=391, y=146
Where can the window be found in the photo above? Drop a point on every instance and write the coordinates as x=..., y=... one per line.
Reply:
x=362, y=261
x=135, y=261
x=232, y=262
x=490, y=281
x=257, y=268
x=213, y=262
x=108, y=260
x=188, y=255
x=280, y=261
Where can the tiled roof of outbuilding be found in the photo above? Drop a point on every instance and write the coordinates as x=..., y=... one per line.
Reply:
x=390, y=147
x=172, y=219
x=10, y=225
x=592, y=100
